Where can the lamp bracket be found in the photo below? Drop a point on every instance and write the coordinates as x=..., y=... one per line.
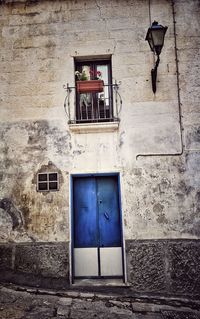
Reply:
x=154, y=74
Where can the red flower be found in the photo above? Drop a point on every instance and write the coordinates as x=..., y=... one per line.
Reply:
x=95, y=74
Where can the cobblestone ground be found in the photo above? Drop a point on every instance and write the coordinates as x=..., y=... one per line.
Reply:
x=21, y=303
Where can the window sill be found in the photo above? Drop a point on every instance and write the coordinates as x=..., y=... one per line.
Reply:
x=94, y=127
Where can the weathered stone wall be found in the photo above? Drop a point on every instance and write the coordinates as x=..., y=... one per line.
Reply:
x=164, y=266
x=157, y=158
x=38, y=264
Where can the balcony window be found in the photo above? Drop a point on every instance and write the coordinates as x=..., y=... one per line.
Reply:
x=94, y=105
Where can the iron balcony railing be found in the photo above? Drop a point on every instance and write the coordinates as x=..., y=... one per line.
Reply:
x=93, y=107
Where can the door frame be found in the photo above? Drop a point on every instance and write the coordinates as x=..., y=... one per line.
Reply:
x=74, y=175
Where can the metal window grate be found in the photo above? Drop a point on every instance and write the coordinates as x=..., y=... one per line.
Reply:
x=93, y=107
x=47, y=182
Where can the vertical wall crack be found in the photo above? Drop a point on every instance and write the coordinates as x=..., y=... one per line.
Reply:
x=106, y=25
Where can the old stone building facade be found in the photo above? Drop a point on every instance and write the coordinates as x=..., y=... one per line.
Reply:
x=124, y=149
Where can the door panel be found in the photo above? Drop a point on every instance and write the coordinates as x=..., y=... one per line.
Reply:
x=86, y=262
x=85, y=217
x=111, y=261
x=109, y=219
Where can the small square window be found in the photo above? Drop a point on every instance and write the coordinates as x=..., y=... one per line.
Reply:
x=47, y=182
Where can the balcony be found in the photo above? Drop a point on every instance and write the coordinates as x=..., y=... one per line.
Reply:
x=93, y=110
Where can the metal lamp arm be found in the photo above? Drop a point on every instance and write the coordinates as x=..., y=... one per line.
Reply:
x=154, y=74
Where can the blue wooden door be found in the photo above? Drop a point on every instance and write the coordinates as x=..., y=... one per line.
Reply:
x=97, y=230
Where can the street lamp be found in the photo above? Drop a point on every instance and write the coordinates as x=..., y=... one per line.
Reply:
x=155, y=36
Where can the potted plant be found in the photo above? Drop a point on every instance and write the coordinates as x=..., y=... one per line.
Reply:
x=84, y=85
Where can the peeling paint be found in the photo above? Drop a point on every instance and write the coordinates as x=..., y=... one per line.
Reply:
x=9, y=208
x=158, y=208
x=161, y=219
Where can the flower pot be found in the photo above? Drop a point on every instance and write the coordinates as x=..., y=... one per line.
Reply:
x=92, y=86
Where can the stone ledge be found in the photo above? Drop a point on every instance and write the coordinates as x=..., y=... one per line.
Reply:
x=94, y=127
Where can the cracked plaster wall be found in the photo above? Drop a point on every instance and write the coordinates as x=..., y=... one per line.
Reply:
x=39, y=40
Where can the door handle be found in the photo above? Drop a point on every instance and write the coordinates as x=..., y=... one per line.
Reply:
x=106, y=216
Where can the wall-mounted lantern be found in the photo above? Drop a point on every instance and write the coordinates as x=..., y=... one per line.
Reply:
x=155, y=36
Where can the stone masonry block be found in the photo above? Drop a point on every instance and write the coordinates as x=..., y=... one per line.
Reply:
x=5, y=257
x=193, y=136
x=184, y=259
x=179, y=315
x=43, y=259
x=146, y=266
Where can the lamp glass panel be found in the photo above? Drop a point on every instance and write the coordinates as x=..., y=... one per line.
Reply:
x=150, y=40
x=158, y=37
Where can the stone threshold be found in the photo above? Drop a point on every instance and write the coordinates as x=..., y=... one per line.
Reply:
x=100, y=282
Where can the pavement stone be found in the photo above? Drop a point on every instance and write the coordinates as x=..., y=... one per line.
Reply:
x=65, y=301
x=17, y=303
x=149, y=316
x=180, y=315
x=92, y=315
x=87, y=295
x=11, y=312
x=41, y=313
x=63, y=311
